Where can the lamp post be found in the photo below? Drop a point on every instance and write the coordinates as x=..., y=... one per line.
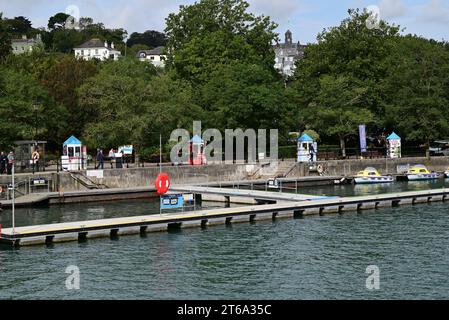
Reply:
x=35, y=108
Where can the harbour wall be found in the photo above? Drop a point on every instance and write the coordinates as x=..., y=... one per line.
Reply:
x=141, y=177
x=383, y=165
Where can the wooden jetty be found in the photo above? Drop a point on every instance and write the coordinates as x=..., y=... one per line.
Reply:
x=243, y=195
x=81, y=230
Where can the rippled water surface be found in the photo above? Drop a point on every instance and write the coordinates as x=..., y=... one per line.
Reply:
x=309, y=258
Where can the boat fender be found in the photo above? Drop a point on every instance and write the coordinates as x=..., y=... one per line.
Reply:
x=320, y=168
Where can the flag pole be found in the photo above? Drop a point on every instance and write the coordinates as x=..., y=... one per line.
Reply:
x=13, y=200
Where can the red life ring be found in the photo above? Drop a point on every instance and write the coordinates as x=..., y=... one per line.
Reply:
x=162, y=183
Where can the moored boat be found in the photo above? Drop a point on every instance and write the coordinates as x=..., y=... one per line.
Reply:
x=371, y=175
x=420, y=172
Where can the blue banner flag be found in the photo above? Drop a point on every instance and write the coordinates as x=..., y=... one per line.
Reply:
x=362, y=135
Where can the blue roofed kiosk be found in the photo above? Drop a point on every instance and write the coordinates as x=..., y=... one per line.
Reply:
x=394, y=146
x=74, y=156
x=307, y=149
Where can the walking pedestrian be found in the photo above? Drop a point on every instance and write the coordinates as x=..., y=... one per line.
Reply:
x=100, y=159
x=111, y=156
x=3, y=162
x=10, y=162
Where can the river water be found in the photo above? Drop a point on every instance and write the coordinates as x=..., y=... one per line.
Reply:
x=316, y=257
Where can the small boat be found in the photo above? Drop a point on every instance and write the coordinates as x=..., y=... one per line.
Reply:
x=420, y=172
x=371, y=175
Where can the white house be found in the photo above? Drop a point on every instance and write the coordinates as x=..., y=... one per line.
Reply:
x=24, y=44
x=97, y=49
x=153, y=56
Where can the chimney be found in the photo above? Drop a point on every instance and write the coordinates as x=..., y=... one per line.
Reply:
x=112, y=45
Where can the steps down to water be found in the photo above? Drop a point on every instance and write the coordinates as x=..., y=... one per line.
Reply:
x=86, y=182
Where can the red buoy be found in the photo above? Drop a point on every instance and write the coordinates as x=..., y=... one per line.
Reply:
x=162, y=183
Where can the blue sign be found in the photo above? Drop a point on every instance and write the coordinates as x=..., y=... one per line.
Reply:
x=172, y=201
x=362, y=135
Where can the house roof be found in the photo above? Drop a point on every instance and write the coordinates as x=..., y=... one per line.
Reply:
x=153, y=52
x=72, y=140
x=393, y=136
x=94, y=43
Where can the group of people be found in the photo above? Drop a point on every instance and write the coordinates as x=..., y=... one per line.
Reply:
x=6, y=162
x=100, y=158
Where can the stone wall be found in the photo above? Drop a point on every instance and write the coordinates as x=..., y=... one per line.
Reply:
x=385, y=166
x=139, y=177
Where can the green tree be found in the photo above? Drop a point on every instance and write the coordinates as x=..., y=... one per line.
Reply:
x=114, y=102
x=150, y=38
x=62, y=79
x=19, y=96
x=5, y=39
x=338, y=108
x=19, y=25
x=58, y=20
x=244, y=95
x=211, y=33
x=418, y=90
x=340, y=83
x=129, y=103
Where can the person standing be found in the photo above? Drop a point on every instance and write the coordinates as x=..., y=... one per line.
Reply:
x=3, y=162
x=35, y=158
x=100, y=159
x=10, y=161
x=111, y=156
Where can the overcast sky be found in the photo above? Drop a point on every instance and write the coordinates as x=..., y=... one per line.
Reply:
x=305, y=18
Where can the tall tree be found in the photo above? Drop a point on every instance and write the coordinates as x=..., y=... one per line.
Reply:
x=338, y=108
x=418, y=90
x=25, y=106
x=114, y=102
x=19, y=25
x=210, y=33
x=62, y=80
x=350, y=62
x=244, y=95
x=150, y=38
x=5, y=39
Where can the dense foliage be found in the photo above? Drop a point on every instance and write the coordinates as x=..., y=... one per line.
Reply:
x=220, y=71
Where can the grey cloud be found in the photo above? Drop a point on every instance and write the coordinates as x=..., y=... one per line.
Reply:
x=392, y=9
x=434, y=11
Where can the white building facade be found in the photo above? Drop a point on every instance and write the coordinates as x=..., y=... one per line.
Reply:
x=97, y=49
x=154, y=56
x=24, y=44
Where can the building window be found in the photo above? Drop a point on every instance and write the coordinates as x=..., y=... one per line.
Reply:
x=96, y=51
x=82, y=52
